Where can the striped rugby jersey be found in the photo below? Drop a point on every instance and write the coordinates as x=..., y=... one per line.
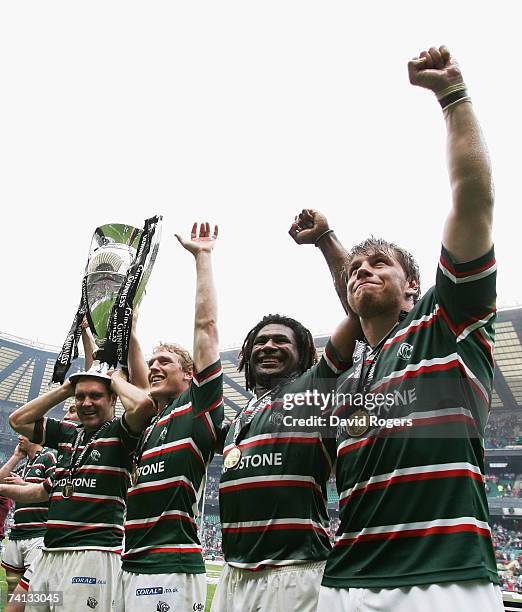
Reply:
x=273, y=504
x=413, y=506
x=92, y=518
x=30, y=520
x=160, y=527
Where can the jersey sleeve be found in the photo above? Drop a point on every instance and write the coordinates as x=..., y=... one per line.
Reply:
x=206, y=394
x=128, y=439
x=49, y=463
x=466, y=294
x=51, y=432
x=327, y=370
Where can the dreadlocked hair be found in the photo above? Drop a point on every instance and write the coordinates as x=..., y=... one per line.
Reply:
x=305, y=346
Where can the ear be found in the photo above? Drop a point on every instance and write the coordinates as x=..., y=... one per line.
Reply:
x=188, y=376
x=412, y=286
x=114, y=398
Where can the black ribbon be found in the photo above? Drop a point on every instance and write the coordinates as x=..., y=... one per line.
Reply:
x=116, y=348
x=70, y=346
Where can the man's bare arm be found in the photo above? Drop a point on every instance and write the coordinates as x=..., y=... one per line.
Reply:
x=12, y=462
x=138, y=370
x=25, y=494
x=139, y=407
x=467, y=232
x=89, y=345
x=206, y=338
x=311, y=227
x=22, y=420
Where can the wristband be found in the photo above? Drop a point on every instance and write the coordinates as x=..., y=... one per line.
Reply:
x=328, y=231
x=453, y=95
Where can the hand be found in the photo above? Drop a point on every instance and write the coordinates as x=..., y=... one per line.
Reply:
x=434, y=69
x=84, y=324
x=68, y=387
x=19, y=453
x=14, y=479
x=308, y=225
x=119, y=374
x=203, y=242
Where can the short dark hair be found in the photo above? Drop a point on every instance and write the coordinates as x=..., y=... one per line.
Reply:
x=105, y=382
x=305, y=346
x=404, y=257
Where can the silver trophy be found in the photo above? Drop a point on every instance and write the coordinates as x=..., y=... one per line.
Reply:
x=120, y=261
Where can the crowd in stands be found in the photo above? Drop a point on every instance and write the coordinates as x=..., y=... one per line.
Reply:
x=504, y=430
x=504, y=485
x=212, y=489
x=508, y=552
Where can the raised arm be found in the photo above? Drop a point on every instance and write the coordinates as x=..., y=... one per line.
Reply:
x=139, y=407
x=12, y=462
x=25, y=494
x=89, y=345
x=138, y=370
x=467, y=233
x=23, y=419
x=206, y=339
x=311, y=227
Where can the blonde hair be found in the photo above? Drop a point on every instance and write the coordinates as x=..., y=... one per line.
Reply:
x=187, y=365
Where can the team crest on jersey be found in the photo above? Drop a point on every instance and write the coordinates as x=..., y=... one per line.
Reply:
x=95, y=455
x=162, y=606
x=38, y=472
x=163, y=434
x=405, y=351
x=59, y=458
x=92, y=603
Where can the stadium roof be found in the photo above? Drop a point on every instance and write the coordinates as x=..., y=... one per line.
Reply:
x=26, y=368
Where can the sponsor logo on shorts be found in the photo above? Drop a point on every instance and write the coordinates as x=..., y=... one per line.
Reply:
x=198, y=607
x=83, y=580
x=149, y=591
x=162, y=607
x=92, y=603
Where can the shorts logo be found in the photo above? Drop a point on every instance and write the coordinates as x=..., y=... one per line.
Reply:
x=162, y=607
x=405, y=351
x=92, y=603
x=163, y=434
x=198, y=607
x=149, y=591
x=83, y=580
x=95, y=455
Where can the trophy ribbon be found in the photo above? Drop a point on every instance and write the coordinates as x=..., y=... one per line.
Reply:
x=116, y=349
x=70, y=346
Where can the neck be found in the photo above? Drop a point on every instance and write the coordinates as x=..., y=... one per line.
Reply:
x=31, y=453
x=164, y=400
x=377, y=327
x=266, y=385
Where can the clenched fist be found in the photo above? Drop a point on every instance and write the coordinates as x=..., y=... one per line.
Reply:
x=435, y=70
x=308, y=226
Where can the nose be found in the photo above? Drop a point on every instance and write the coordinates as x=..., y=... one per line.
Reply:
x=363, y=270
x=269, y=345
